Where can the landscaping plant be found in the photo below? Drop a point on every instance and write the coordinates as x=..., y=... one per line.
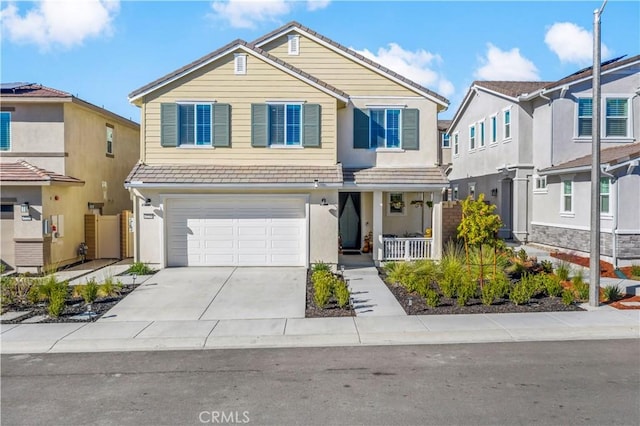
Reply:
x=397, y=272
x=479, y=226
x=451, y=268
x=547, y=266
x=635, y=271
x=563, y=270
x=110, y=287
x=140, y=268
x=89, y=291
x=613, y=293
x=432, y=298
x=321, y=266
x=467, y=289
x=322, y=292
x=341, y=292
x=552, y=285
x=57, y=301
x=567, y=297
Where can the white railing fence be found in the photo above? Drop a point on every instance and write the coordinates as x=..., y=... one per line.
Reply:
x=406, y=248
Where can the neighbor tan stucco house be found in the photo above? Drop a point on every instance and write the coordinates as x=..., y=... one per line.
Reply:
x=60, y=158
x=275, y=152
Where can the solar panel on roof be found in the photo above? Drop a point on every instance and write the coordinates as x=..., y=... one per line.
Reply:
x=11, y=86
x=610, y=61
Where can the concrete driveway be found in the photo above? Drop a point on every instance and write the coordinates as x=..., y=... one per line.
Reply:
x=215, y=293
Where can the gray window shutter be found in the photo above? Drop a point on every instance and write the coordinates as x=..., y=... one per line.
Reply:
x=360, y=129
x=221, y=125
x=410, y=129
x=311, y=125
x=169, y=124
x=259, y=125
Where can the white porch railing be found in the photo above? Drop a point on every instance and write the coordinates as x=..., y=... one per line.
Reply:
x=406, y=248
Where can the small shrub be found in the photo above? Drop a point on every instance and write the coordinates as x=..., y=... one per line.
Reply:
x=322, y=293
x=563, y=270
x=552, y=285
x=321, y=266
x=582, y=290
x=89, y=291
x=635, y=270
x=57, y=298
x=578, y=278
x=520, y=293
x=547, y=266
x=110, y=287
x=140, y=268
x=341, y=292
x=48, y=286
x=432, y=298
x=567, y=297
x=397, y=272
x=414, y=282
x=488, y=293
x=16, y=290
x=467, y=289
x=522, y=255
x=611, y=294
x=502, y=285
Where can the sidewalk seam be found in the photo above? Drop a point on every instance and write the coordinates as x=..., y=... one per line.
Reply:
x=501, y=326
x=284, y=330
x=355, y=324
x=217, y=293
x=206, y=339
x=66, y=335
x=143, y=329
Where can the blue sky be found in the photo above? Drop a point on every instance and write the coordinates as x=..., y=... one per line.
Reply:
x=102, y=50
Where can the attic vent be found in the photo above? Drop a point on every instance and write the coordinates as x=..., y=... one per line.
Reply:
x=240, y=63
x=294, y=45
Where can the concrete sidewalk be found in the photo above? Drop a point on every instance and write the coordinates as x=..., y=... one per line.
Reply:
x=370, y=295
x=600, y=323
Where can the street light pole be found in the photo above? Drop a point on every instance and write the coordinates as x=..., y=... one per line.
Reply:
x=594, y=259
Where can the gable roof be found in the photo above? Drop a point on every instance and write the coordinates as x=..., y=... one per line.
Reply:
x=608, y=156
x=26, y=173
x=586, y=73
x=404, y=176
x=345, y=51
x=227, y=49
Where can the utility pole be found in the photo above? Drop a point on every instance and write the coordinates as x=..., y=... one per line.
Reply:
x=594, y=259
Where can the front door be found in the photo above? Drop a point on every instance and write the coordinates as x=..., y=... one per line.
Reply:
x=349, y=224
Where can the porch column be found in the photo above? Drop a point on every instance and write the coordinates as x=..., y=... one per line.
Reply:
x=436, y=229
x=377, y=227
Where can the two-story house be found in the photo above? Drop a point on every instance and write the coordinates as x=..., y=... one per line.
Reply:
x=561, y=188
x=492, y=150
x=60, y=158
x=279, y=151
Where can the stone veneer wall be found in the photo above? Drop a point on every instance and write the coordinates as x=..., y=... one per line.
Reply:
x=572, y=239
x=628, y=246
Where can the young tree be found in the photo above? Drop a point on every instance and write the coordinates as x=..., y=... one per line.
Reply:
x=479, y=226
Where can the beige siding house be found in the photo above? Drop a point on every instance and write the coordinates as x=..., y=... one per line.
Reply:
x=282, y=152
x=60, y=158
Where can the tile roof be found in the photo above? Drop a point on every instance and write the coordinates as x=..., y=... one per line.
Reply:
x=610, y=156
x=234, y=44
x=511, y=88
x=219, y=174
x=587, y=72
x=396, y=176
x=294, y=24
x=444, y=124
x=22, y=171
x=32, y=90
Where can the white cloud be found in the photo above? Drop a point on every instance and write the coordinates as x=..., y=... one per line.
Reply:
x=64, y=23
x=246, y=14
x=317, y=4
x=572, y=43
x=506, y=65
x=417, y=66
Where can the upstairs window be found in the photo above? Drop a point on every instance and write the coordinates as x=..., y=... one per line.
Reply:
x=456, y=143
x=5, y=131
x=446, y=140
x=585, y=114
x=617, y=117
x=294, y=44
x=385, y=128
x=507, y=123
x=195, y=124
x=472, y=137
x=494, y=129
x=109, y=138
x=284, y=124
x=481, y=133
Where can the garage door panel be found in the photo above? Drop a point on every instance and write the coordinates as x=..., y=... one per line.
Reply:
x=227, y=232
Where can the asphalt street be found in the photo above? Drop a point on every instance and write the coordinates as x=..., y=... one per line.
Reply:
x=553, y=383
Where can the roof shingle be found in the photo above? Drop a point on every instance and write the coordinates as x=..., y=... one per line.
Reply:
x=511, y=88
x=22, y=171
x=396, y=176
x=610, y=156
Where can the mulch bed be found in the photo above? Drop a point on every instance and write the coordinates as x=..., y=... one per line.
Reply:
x=74, y=306
x=474, y=306
x=331, y=310
x=606, y=268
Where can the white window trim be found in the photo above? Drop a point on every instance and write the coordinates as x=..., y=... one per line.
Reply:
x=240, y=63
x=563, y=179
x=577, y=121
x=536, y=179
x=493, y=124
x=456, y=144
x=106, y=148
x=404, y=207
x=385, y=148
x=293, y=49
x=470, y=186
x=455, y=193
x=473, y=139
x=284, y=145
x=442, y=140
x=607, y=214
x=603, y=111
x=195, y=145
x=481, y=129
x=504, y=125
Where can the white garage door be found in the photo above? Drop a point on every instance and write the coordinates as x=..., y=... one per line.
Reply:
x=236, y=232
